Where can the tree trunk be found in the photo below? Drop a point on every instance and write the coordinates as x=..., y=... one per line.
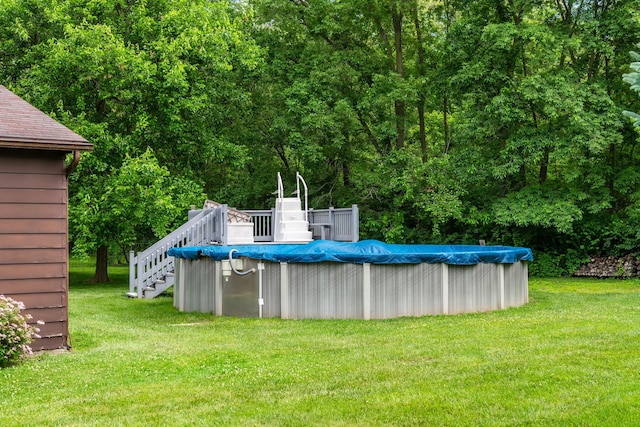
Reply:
x=101, y=275
x=445, y=124
x=421, y=72
x=544, y=166
x=346, y=174
x=399, y=104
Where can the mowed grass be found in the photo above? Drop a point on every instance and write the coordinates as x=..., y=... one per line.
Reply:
x=571, y=357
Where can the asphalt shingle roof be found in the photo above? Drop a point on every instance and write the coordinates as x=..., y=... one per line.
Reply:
x=24, y=126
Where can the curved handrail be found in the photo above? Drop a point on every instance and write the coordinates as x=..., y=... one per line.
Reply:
x=306, y=191
x=280, y=187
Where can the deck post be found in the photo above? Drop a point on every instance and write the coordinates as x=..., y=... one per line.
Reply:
x=132, y=272
x=331, y=221
x=355, y=223
x=141, y=271
x=273, y=224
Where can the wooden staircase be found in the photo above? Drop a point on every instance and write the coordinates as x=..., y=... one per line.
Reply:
x=151, y=271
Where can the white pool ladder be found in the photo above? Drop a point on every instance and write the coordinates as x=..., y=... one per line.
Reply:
x=291, y=221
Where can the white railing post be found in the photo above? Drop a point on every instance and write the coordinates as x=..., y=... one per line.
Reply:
x=140, y=268
x=225, y=223
x=355, y=223
x=132, y=272
x=332, y=221
x=273, y=224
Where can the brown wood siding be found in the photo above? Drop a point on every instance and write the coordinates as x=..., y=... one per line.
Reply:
x=48, y=315
x=16, y=286
x=24, y=256
x=33, y=239
x=50, y=343
x=22, y=196
x=24, y=226
x=15, y=210
x=38, y=182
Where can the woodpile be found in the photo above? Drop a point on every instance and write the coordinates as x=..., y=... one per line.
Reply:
x=610, y=266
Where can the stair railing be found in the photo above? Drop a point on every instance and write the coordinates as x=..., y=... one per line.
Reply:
x=280, y=187
x=306, y=198
x=153, y=264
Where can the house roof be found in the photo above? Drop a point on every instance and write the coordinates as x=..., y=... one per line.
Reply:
x=24, y=126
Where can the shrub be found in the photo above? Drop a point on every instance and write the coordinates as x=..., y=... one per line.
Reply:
x=548, y=264
x=15, y=333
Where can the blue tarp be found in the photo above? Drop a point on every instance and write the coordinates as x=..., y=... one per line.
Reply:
x=366, y=251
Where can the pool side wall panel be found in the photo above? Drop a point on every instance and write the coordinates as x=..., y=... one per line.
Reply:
x=338, y=290
x=406, y=290
x=196, y=285
x=517, y=276
x=474, y=288
x=271, y=290
x=325, y=291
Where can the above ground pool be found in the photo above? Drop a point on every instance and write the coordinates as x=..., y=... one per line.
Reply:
x=361, y=280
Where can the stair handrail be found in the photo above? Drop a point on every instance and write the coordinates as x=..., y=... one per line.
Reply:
x=299, y=178
x=280, y=187
x=153, y=263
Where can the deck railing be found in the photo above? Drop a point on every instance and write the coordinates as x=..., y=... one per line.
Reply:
x=262, y=224
x=340, y=224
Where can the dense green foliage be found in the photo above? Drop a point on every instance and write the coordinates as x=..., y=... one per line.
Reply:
x=445, y=121
x=568, y=358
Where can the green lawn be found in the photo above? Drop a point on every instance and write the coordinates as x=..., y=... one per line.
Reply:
x=571, y=357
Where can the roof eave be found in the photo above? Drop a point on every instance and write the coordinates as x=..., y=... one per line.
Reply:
x=26, y=144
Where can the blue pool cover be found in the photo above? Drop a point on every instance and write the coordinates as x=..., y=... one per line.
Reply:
x=366, y=251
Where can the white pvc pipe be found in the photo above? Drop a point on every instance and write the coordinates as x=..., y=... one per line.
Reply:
x=239, y=273
x=260, y=298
